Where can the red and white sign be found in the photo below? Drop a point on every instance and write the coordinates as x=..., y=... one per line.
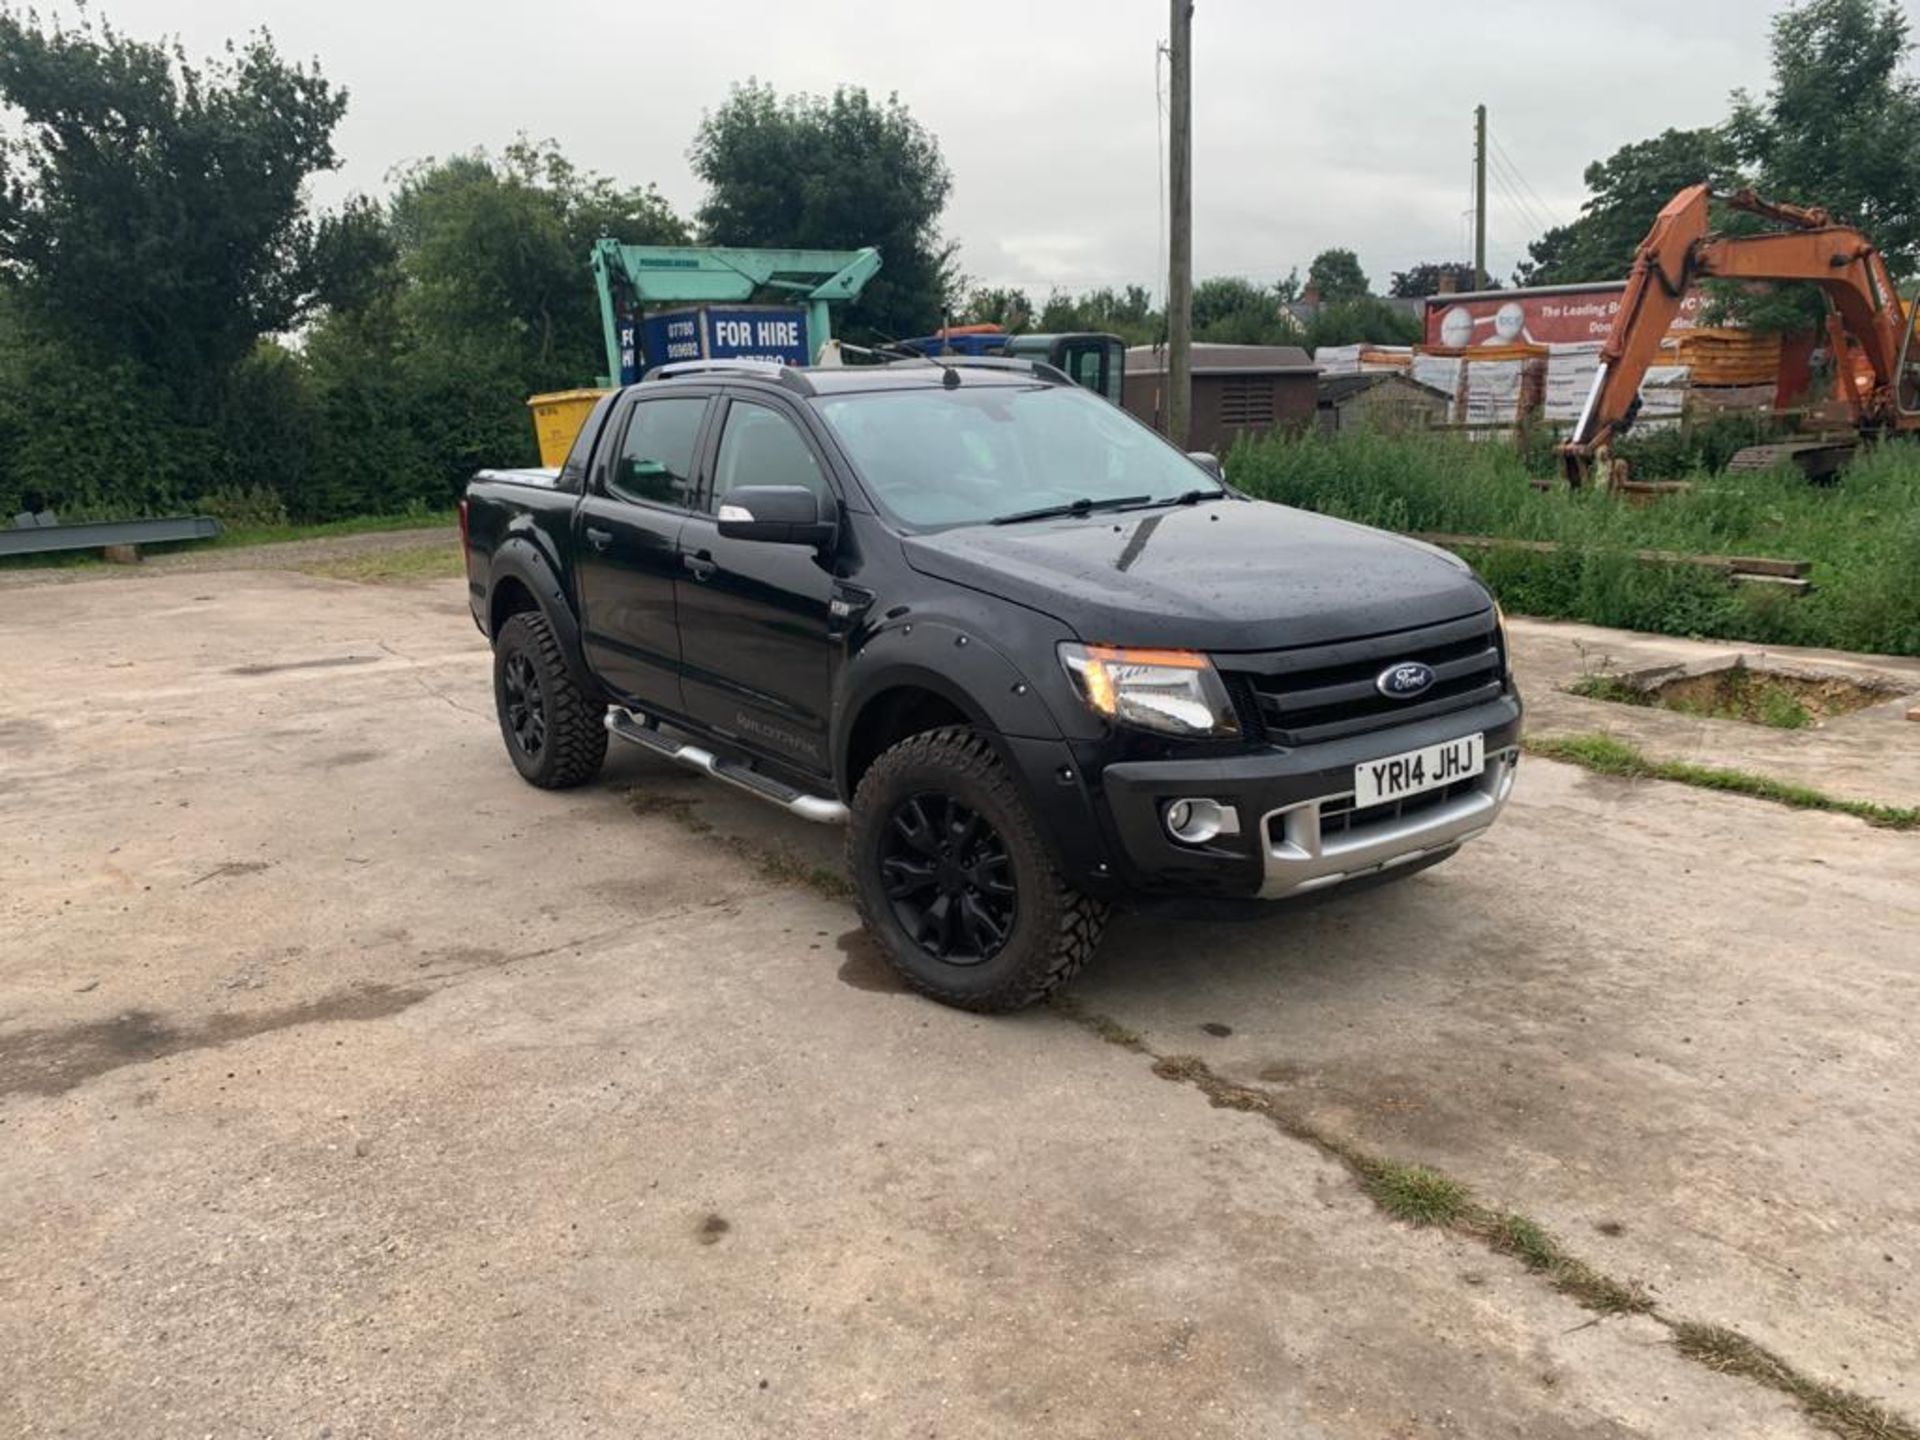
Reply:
x=1534, y=317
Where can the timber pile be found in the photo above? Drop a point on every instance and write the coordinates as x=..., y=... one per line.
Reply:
x=1790, y=575
x=1719, y=356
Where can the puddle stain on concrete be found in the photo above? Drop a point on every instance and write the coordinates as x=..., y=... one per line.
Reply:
x=53, y=1061
x=20, y=734
x=326, y=662
x=345, y=758
x=865, y=968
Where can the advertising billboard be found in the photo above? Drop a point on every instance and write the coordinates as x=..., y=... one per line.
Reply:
x=1557, y=315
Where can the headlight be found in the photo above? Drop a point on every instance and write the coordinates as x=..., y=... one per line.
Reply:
x=1506, y=645
x=1177, y=692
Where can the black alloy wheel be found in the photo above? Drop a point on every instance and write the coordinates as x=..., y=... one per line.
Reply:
x=526, y=714
x=553, y=730
x=949, y=879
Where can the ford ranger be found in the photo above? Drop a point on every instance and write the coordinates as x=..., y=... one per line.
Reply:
x=1036, y=660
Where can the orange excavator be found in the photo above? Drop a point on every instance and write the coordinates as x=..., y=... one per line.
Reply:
x=1864, y=320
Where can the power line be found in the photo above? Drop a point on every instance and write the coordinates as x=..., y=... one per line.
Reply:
x=1520, y=175
x=1509, y=181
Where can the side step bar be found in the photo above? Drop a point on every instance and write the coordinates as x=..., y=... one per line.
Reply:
x=626, y=725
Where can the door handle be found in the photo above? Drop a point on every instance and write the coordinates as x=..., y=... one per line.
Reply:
x=702, y=565
x=599, y=539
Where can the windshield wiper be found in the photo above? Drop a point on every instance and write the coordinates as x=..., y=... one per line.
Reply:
x=1186, y=497
x=1082, y=506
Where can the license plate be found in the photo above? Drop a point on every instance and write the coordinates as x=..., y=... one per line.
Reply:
x=1394, y=777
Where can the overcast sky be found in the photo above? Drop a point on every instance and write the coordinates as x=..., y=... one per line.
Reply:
x=1315, y=124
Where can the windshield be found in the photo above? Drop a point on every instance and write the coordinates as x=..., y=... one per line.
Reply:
x=938, y=457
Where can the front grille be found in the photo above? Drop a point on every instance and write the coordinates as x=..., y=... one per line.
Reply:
x=1339, y=817
x=1324, y=692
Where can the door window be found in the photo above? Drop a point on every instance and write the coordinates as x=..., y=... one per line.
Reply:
x=760, y=446
x=655, y=464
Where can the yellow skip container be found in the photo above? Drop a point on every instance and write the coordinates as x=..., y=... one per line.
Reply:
x=557, y=418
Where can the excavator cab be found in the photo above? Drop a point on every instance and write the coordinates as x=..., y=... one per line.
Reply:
x=1909, y=387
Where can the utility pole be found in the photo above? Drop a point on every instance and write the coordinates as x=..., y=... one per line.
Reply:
x=1480, y=197
x=1180, y=221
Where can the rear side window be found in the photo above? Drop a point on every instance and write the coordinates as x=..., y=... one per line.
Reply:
x=655, y=463
x=762, y=447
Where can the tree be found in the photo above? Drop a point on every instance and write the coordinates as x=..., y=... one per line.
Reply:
x=1008, y=308
x=1434, y=278
x=1228, y=310
x=475, y=294
x=834, y=173
x=1368, y=320
x=1128, y=313
x=1840, y=124
x=155, y=210
x=1337, y=275
x=1626, y=191
x=494, y=251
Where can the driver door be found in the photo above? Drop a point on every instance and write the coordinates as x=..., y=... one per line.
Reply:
x=755, y=632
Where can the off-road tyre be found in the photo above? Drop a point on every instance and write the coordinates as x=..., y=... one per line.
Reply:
x=1055, y=929
x=554, y=734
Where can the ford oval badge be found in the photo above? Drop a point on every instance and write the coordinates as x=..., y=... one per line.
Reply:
x=1405, y=680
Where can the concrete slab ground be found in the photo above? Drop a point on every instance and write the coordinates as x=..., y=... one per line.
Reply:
x=1871, y=754
x=349, y=1086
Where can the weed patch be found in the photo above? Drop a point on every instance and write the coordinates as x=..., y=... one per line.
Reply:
x=1862, y=536
x=412, y=566
x=1606, y=755
x=1779, y=699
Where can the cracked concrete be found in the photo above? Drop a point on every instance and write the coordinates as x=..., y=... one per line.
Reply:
x=1871, y=754
x=653, y=1146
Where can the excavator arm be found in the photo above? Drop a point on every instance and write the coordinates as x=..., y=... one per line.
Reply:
x=1680, y=250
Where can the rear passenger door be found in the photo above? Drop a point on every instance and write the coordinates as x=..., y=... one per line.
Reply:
x=754, y=635
x=626, y=539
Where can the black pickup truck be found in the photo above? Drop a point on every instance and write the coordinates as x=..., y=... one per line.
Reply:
x=1036, y=659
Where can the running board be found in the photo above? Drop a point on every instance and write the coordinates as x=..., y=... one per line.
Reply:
x=628, y=726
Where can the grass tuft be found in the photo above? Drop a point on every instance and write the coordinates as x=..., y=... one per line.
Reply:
x=1608, y=755
x=412, y=566
x=1415, y=1194
x=1834, y=1409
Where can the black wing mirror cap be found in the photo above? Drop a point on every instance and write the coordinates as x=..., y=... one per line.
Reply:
x=774, y=514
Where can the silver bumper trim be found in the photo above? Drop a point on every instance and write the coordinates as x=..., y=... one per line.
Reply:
x=1298, y=859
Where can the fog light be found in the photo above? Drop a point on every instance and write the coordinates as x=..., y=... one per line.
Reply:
x=1195, y=822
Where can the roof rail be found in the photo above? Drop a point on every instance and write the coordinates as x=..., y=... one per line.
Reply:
x=1039, y=369
x=790, y=376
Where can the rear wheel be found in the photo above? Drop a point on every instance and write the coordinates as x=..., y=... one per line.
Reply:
x=953, y=877
x=553, y=732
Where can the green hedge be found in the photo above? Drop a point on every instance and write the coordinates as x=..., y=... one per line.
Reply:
x=300, y=437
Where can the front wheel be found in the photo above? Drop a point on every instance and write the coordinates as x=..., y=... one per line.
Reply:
x=953, y=877
x=553, y=732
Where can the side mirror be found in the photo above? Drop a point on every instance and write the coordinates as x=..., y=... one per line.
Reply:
x=1208, y=462
x=776, y=514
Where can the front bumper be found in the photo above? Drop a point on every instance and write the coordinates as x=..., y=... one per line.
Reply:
x=1298, y=830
